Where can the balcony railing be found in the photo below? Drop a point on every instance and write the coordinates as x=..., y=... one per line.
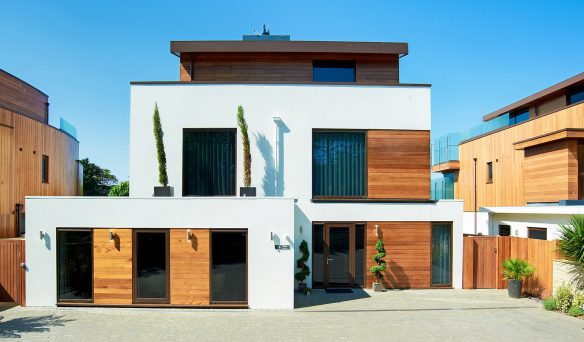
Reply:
x=68, y=128
x=442, y=188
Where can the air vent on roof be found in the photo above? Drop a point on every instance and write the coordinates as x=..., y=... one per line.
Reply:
x=265, y=35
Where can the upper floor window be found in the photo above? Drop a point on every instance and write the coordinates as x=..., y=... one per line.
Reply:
x=333, y=71
x=518, y=117
x=490, y=172
x=576, y=96
x=209, y=162
x=45, y=169
x=338, y=164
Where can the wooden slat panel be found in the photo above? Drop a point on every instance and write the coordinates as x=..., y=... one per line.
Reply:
x=112, y=263
x=486, y=268
x=408, y=248
x=189, y=267
x=20, y=97
x=12, y=276
x=468, y=263
x=398, y=164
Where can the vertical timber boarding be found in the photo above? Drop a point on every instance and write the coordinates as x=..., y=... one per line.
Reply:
x=12, y=276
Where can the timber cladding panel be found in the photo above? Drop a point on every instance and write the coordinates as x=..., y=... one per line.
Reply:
x=398, y=164
x=408, y=247
x=112, y=266
x=20, y=97
x=189, y=267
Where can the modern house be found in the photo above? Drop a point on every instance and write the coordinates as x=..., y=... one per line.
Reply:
x=340, y=153
x=36, y=159
x=521, y=172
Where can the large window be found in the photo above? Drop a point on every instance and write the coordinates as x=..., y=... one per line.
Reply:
x=209, y=162
x=575, y=96
x=518, y=117
x=229, y=267
x=151, y=266
x=75, y=267
x=338, y=164
x=537, y=233
x=333, y=71
x=441, y=254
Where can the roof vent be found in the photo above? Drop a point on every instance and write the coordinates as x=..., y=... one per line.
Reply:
x=265, y=35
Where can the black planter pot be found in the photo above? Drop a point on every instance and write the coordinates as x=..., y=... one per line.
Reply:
x=162, y=191
x=514, y=288
x=247, y=191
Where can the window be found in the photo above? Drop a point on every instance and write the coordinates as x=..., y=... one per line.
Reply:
x=75, y=266
x=504, y=230
x=575, y=96
x=209, y=162
x=490, y=172
x=441, y=254
x=151, y=266
x=229, y=267
x=333, y=71
x=338, y=164
x=518, y=117
x=318, y=255
x=45, y=169
x=537, y=233
x=360, y=254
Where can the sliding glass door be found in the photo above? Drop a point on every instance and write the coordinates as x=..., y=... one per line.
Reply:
x=441, y=254
x=229, y=266
x=151, y=266
x=75, y=265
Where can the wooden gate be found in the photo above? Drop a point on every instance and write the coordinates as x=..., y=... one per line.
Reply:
x=12, y=276
x=485, y=262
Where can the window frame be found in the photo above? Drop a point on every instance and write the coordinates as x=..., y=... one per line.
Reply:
x=366, y=161
x=514, y=114
x=572, y=92
x=324, y=61
x=45, y=169
x=506, y=226
x=490, y=173
x=234, y=230
x=135, y=299
x=68, y=301
x=438, y=286
x=530, y=229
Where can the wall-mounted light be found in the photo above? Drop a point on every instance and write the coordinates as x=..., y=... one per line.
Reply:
x=111, y=235
x=272, y=236
x=277, y=119
x=42, y=233
x=188, y=235
x=300, y=229
x=377, y=230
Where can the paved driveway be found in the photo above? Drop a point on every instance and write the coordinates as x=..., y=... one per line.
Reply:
x=442, y=315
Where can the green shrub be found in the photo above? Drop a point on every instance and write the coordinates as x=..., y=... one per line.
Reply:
x=301, y=263
x=578, y=299
x=120, y=189
x=549, y=304
x=159, y=139
x=571, y=243
x=517, y=269
x=380, y=263
x=307, y=291
x=575, y=311
x=564, y=298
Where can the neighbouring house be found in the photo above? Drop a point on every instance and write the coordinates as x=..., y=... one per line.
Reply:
x=521, y=172
x=340, y=152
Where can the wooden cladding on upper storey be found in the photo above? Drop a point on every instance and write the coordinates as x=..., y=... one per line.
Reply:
x=281, y=67
x=398, y=164
x=20, y=97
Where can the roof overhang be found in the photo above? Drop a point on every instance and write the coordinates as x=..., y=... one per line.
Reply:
x=178, y=47
x=562, y=134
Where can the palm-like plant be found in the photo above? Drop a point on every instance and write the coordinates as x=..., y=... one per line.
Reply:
x=517, y=269
x=571, y=243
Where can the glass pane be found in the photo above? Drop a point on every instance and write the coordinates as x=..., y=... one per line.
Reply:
x=441, y=254
x=229, y=269
x=333, y=71
x=317, y=255
x=209, y=163
x=360, y=254
x=504, y=230
x=74, y=251
x=577, y=97
x=151, y=265
x=540, y=234
x=338, y=259
x=338, y=164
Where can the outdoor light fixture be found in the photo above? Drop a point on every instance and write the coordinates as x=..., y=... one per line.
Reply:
x=300, y=229
x=42, y=233
x=111, y=235
x=277, y=119
x=188, y=235
x=272, y=236
x=377, y=230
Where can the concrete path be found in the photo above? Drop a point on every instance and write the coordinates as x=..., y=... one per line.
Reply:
x=428, y=315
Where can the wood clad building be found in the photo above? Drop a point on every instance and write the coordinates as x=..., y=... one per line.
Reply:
x=36, y=159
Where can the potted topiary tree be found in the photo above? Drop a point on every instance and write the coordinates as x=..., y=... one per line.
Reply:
x=301, y=264
x=514, y=271
x=378, y=269
x=247, y=189
x=164, y=190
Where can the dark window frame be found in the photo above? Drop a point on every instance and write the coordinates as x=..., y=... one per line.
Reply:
x=235, y=303
x=490, y=172
x=66, y=301
x=504, y=226
x=530, y=229
x=135, y=299
x=334, y=64
x=572, y=92
x=517, y=113
x=45, y=169
x=437, y=286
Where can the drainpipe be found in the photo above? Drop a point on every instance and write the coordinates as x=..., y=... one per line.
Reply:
x=475, y=195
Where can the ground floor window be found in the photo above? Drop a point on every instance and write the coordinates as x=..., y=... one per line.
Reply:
x=537, y=233
x=229, y=266
x=504, y=230
x=75, y=265
x=441, y=254
x=151, y=266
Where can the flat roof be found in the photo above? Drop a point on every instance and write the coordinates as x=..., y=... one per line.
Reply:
x=556, y=88
x=536, y=210
x=178, y=47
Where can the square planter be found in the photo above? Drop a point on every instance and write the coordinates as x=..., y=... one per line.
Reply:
x=162, y=191
x=247, y=191
x=377, y=287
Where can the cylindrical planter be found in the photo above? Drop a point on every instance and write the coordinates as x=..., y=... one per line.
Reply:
x=377, y=287
x=514, y=288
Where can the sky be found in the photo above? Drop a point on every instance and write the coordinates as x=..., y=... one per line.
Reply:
x=478, y=55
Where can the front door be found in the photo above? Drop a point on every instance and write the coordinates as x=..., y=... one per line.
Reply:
x=338, y=255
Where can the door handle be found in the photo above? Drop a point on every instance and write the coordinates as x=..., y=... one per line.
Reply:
x=327, y=260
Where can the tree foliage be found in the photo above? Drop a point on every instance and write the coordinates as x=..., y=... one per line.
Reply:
x=301, y=263
x=517, y=269
x=96, y=181
x=571, y=243
x=120, y=189
x=159, y=138
x=242, y=123
x=380, y=263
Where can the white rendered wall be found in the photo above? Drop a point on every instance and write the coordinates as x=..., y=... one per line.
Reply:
x=482, y=223
x=270, y=272
x=521, y=222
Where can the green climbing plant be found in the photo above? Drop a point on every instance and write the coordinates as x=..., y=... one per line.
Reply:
x=301, y=263
x=158, y=136
x=378, y=269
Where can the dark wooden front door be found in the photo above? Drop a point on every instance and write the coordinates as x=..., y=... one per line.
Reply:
x=339, y=255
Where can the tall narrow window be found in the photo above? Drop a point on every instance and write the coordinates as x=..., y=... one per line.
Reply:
x=209, y=162
x=441, y=254
x=318, y=255
x=45, y=169
x=333, y=71
x=537, y=233
x=490, y=172
x=360, y=255
x=229, y=267
x=75, y=267
x=338, y=164
x=151, y=266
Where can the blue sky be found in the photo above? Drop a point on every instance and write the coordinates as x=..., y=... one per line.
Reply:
x=478, y=56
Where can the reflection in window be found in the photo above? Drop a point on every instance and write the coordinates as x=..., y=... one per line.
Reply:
x=537, y=233
x=518, y=117
x=74, y=250
x=576, y=96
x=151, y=270
x=333, y=71
x=318, y=255
x=441, y=254
x=360, y=255
x=229, y=267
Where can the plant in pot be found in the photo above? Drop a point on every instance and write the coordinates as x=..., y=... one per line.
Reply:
x=304, y=270
x=247, y=190
x=164, y=190
x=514, y=271
x=378, y=269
